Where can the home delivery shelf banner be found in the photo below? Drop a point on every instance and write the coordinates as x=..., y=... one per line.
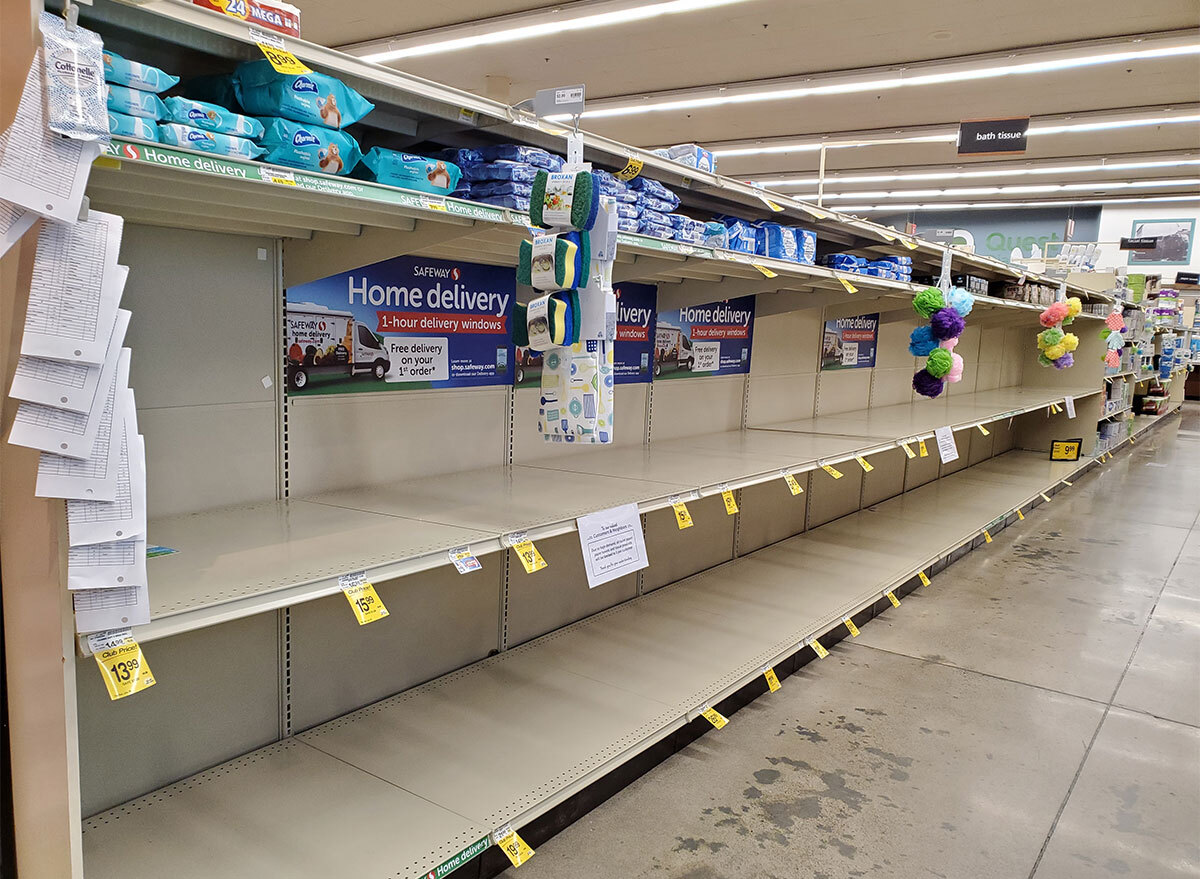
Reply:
x=401, y=324
x=849, y=342
x=712, y=339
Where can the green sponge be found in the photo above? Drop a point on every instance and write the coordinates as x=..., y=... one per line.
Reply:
x=939, y=362
x=563, y=317
x=928, y=301
x=572, y=260
x=584, y=202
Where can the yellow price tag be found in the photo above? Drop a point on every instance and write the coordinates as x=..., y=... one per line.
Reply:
x=530, y=558
x=983, y=430
x=714, y=717
x=886, y=236
x=772, y=679
x=283, y=61
x=1045, y=497
x=815, y=214
x=767, y=273
x=850, y=625
x=987, y=536
x=777, y=208
x=633, y=167
x=517, y=849
x=107, y=162
x=792, y=484
x=1067, y=482
x=924, y=451
x=911, y=245
x=924, y=578
x=1020, y=515
x=908, y=450
x=850, y=288
x=864, y=463
x=891, y=596
x=124, y=669
x=682, y=517
x=731, y=506
x=365, y=602
x=279, y=178
x=832, y=471
x=820, y=650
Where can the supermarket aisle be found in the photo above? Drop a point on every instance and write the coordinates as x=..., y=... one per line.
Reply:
x=1034, y=714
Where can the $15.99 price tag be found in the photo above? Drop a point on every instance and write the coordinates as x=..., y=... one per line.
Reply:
x=682, y=517
x=731, y=506
x=364, y=600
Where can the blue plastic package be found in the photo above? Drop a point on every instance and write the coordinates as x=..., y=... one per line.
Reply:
x=132, y=102
x=654, y=189
x=516, y=202
x=515, y=152
x=408, y=171
x=655, y=204
x=896, y=260
x=716, y=235
x=806, y=245
x=133, y=75
x=503, y=187
x=515, y=171
x=776, y=241
x=309, y=147
x=174, y=134
x=741, y=235
x=459, y=157
x=313, y=98
x=131, y=126
x=682, y=221
x=655, y=230
x=216, y=88
x=627, y=211
x=210, y=117
x=624, y=225
x=655, y=217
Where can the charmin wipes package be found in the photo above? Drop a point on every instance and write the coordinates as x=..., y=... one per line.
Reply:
x=173, y=134
x=309, y=147
x=312, y=98
x=210, y=117
x=408, y=171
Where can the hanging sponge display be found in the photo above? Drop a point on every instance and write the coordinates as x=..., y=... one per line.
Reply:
x=921, y=342
x=961, y=300
x=551, y=193
x=1064, y=362
x=946, y=323
x=1074, y=309
x=571, y=260
x=939, y=362
x=928, y=301
x=1049, y=337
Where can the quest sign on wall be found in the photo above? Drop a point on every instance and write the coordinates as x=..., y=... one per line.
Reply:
x=401, y=324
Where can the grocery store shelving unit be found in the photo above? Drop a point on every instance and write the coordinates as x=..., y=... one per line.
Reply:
x=278, y=728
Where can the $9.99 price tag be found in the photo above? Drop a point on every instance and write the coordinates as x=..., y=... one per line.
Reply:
x=124, y=669
x=364, y=600
x=273, y=49
x=510, y=842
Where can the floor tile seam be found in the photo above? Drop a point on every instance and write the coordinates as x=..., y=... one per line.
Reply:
x=1144, y=713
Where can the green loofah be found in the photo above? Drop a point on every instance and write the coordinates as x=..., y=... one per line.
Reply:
x=1049, y=338
x=1044, y=360
x=928, y=301
x=584, y=202
x=939, y=362
x=572, y=260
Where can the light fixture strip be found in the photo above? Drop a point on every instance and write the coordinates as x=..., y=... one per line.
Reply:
x=953, y=206
x=1008, y=190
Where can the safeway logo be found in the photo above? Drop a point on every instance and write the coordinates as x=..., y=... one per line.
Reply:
x=455, y=274
x=131, y=152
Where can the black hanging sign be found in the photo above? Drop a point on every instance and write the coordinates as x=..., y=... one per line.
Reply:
x=980, y=136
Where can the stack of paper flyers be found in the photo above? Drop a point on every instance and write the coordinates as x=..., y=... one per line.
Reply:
x=577, y=393
x=72, y=378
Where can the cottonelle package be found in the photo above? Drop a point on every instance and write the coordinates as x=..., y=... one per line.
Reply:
x=75, y=90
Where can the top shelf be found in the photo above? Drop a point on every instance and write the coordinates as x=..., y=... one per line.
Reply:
x=421, y=109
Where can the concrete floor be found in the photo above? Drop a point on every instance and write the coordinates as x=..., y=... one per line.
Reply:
x=1034, y=714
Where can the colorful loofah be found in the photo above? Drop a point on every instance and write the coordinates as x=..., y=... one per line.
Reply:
x=960, y=300
x=1049, y=337
x=1113, y=358
x=1054, y=314
x=1074, y=308
x=926, y=385
x=928, y=301
x=956, y=371
x=939, y=362
x=1067, y=360
x=1055, y=351
x=1115, y=321
x=946, y=323
x=1070, y=341
x=1044, y=360
x=921, y=342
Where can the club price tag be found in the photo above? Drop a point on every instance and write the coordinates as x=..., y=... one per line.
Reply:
x=731, y=506
x=772, y=679
x=983, y=430
x=891, y=596
x=792, y=484
x=987, y=536
x=908, y=450
x=864, y=463
x=279, y=177
x=911, y=245
x=511, y=844
x=464, y=560
x=850, y=288
x=124, y=669
x=364, y=600
x=281, y=59
x=924, y=578
x=1020, y=515
x=682, y=517
x=819, y=649
x=433, y=202
x=832, y=471
x=1045, y=497
x=530, y=558
x=924, y=451
x=767, y=273
x=850, y=625
x=633, y=167
x=777, y=208
x=714, y=717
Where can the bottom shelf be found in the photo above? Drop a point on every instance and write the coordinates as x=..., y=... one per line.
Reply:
x=510, y=737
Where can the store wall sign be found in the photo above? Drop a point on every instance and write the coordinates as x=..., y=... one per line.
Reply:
x=704, y=340
x=850, y=342
x=1192, y=278
x=1145, y=242
x=633, y=355
x=402, y=324
x=981, y=136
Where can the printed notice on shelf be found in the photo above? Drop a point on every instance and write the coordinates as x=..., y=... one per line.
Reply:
x=115, y=565
x=1070, y=401
x=97, y=609
x=14, y=222
x=613, y=544
x=72, y=386
x=124, y=518
x=945, y=443
x=39, y=170
x=94, y=478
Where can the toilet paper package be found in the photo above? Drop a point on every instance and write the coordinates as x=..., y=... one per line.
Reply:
x=210, y=117
x=409, y=171
x=174, y=134
x=740, y=234
x=806, y=245
x=131, y=126
x=309, y=147
x=312, y=98
x=518, y=172
x=132, y=102
x=776, y=241
x=134, y=75
x=515, y=152
x=502, y=187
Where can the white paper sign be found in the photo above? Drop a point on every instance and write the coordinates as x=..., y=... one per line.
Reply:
x=1070, y=401
x=613, y=544
x=97, y=609
x=14, y=222
x=945, y=443
x=706, y=356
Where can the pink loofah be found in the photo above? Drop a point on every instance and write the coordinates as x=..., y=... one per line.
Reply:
x=956, y=371
x=949, y=344
x=1055, y=314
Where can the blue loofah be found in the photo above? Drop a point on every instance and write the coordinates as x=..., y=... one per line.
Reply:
x=921, y=341
x=961, y=300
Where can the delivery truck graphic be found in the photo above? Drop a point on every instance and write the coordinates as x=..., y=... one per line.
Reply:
x=320, y=341
x=672, y=349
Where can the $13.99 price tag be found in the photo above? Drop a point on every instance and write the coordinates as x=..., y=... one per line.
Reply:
x=124, y=669
x=531, y=559
x=510, y=842
x=364, y=600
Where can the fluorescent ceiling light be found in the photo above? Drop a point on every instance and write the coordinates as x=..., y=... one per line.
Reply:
x=1094, y=186
x=978, y=174
x=543, y=23
x=1044, y=59
x=955, y=206
x=1035, y=130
